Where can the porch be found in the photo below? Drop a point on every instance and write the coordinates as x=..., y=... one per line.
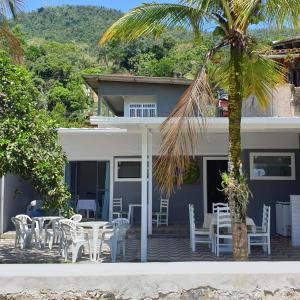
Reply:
x=165, y=245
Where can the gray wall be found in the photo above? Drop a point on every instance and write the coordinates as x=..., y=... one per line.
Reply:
x=17, y=195
x=269, y=191
x=167, y=94
x=264, y=192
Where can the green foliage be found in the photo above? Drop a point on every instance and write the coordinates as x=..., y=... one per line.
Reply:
x=79, y=24
x=28, y=137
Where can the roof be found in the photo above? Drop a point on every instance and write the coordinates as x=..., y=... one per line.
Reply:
x=292, y=40
x=94, y=80
x=215, y=124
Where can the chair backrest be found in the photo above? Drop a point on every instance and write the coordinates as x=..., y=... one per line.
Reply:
x=19, y=226
x=192, y=219
x=222, y=205
x=164, y=206
x=117, y=204
x=24, y=219
x=223, y=222
x=120, y=221
x=207, y=220
x=69, y=229
x=266, y=219
x=76, y=218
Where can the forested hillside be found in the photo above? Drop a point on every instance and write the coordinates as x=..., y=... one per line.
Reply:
x=83, y=24
x=60, y=44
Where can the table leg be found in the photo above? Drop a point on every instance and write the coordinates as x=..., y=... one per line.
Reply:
x=95, y=236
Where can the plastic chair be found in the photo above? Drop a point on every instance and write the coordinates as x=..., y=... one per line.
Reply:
x=223, y=206
x=52, y=232
x=76, y=218
x=262, y=235
x=73, y=237
x=23, y=233
x=223, y=233
x=117, y=209
x=197, y=235
x=162, y=217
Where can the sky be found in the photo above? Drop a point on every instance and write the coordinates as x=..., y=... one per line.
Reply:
x=123, y=5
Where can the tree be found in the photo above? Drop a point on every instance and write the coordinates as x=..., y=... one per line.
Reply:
x=9, y=40
x=244, y=73
x=28, y=137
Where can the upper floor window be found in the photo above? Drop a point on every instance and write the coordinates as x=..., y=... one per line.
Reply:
x=272, y=166
x=140, y=110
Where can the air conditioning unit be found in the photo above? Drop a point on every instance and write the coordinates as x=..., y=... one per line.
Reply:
x=283, y=218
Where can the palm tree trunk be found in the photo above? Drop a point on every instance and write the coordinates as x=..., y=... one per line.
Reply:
x=238, y=211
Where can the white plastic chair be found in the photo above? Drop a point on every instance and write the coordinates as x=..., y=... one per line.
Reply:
x=223, y=206
x=124, y=226
x=197, y=235
x=110, y=237
x=262, y=235
x=162, y=217
x=117, y=209
x=52, y=232
x=223, y=233
x=73, y=237
x=23, y=233
x=76, y=218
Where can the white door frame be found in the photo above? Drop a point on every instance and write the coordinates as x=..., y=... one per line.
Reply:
x=111, y=175
x=205, y=159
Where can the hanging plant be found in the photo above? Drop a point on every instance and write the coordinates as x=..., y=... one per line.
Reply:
x=192, y=174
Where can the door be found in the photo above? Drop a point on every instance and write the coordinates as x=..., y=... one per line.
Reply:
x=89, y=180
x=214, y=168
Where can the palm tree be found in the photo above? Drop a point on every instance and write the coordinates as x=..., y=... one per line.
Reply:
x=7, y=39
x=245, y=72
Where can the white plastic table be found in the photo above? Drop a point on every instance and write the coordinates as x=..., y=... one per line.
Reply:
x=95, y=225
x=131, y=210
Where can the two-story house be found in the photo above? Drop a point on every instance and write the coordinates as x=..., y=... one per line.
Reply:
x=115, y=157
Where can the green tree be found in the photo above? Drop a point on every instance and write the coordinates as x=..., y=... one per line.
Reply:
x=28, y=137
x=245, y=72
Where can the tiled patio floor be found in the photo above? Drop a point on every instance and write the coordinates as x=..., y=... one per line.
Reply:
x=160, y=249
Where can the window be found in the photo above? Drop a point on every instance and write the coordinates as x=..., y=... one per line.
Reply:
x=140, y=110
x=129, y=169
x=272, y=166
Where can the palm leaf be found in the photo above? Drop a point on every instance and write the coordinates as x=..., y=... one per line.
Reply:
x=260, y=75
x=10, y=7
x=9, y=41
x=276, y=12
x=149, y=19
x=180, y=134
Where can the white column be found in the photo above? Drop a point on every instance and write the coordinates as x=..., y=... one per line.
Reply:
x=2, y=179
x=150, y=175
x=111, y=187
x=144, y=195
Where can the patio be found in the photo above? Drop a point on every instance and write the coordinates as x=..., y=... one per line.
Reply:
x=165, y=245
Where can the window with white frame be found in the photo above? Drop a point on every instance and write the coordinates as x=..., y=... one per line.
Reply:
x=140, y=110
x=272, y=166
x=128, y=169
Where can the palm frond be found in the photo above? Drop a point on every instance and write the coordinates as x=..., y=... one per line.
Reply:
x=276, y=12
x=149, y=19
x=10, y=7
x=180, y=134
x=261, y=76
x=10, y=42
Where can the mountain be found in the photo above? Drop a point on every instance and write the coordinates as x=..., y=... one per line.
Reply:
x=80, y=24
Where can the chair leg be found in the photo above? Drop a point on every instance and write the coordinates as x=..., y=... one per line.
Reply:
x=249, y=245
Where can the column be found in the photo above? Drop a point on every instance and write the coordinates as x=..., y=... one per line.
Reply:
x=144, y=195
x=150, y=175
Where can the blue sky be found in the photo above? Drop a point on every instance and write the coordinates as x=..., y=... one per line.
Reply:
x=123, y=5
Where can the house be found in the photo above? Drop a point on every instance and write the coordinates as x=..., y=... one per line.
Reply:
x=115, y=157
